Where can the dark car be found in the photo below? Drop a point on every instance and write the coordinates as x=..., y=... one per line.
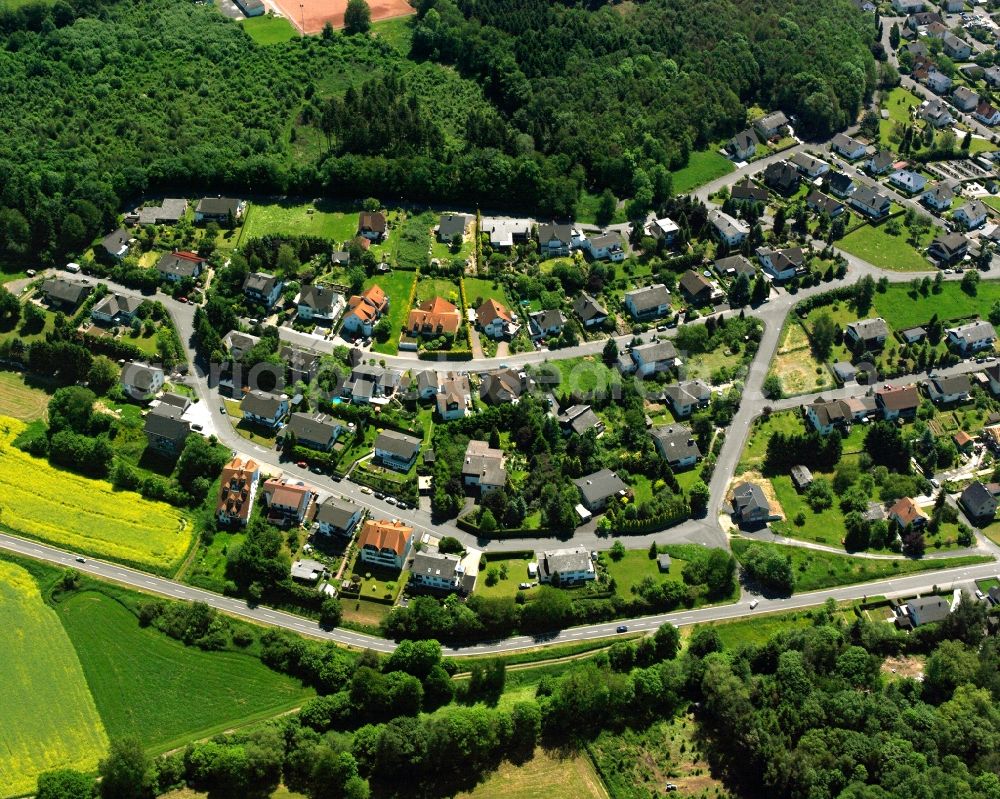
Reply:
x=621, y=629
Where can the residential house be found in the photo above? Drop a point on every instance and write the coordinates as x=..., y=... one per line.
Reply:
x=955, y=47
x=338, y=517
x=303, y=364
x=730, y=230
x=657, y=356
x=781, y=264
x=166, y=430
x=140, y=381
x=453, y=397
x=938, y=196
x=676, y=445
x=305, y=570
x=65, y=293
x=384, y=543
x=935, y=112
x=946, y=390
x=434, y=317
x=870, y=202
x=219, y=209
x=591, y=312
x=987, y=114
x=782, y=177
x=927, y=610
x=696, y=288
x=992, y=76
x=845, y=371
x=264, y=408
x=822, y=204
x=599, y=488
x=746, y=190
x=364, y=310
x=949, y=248
x=743, y=145
x=116, y=309
x=869, y=334
x=319, y=303
x=371, y=385
x=993, y=375
x=313, y=430
x=972, y=215
x=609, y=246
x=180, y=265
x=971, y=337
x=168, y=212
x=916, y=49
x=908, y=181
x=437, y=571
x=451, y=225
x=772, y=125
x=396, y=450
x=840, y=185
x=964, y=98
x=978, y=502
x=938, y=82
x=237, y=491
x=288, y=501
x=115, y=245
x=555, y=240
x=907, y=6
x=564, y=567
x=734, y=265
x=906, y=514
x=686, y=397
x=649, y=302
x=372, y=225
x=263, y=288
x=664, y=230
x=505, y=232
x=483, y=467
x=750, y=506
x=543, y=324
x=801, y=477
x=851, y=149
x=809, y=165
x=578, y=419
x=495, y=320
x=880, y=163
x=504, y=385
x=828, y=415
x=895, y=403
x=238, y=344
x=964, y=443
x=922, y=19
x=663, y=562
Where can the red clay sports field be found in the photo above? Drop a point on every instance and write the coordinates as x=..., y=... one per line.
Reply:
x=309, y=16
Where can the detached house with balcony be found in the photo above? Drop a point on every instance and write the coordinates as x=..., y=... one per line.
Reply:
x=686, y=397
x=743, y=145
x=972, y=215
x=262, y=288
x=650, y=302
x=591, y=312
x=264, y=408
x=897, y=403
x=364, y=310
x=289, y=502
x=871, y=202
x=731, y=231
x=384, y=544
x=319, y=303
x=971, y=337
x=396, y=450
x=140, y=381
x=237, y=491
x=868, y=334
x=495, y=320
x=483, y=467
x=558, y=240
x=180, y=265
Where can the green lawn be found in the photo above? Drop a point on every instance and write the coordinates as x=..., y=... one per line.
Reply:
x=586, y=210
x=703, y=166
x=584, y=374
x=814, y=570
x=269, y=30
x=20, y=399
x=49, y=716
x=898, y=104
x=794, y=364
x=756, y=448
x=152, y=686
x=758, y=629
x=397, y=286
x=873, y=244
x=478, y=290
x=398, y=32
x=517, y=572
x=992, y=532
x=637, y=565
x=825, y=527
x=898, y=307
x=428, y=287
x=297, y=219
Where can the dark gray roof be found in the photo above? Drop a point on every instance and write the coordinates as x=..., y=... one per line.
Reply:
x=260, y=282
x=687, y=392
x=588, y=308
x=550, y=231
x=655, y=352
x=579, y=419
x=450, y=224
x=930, y=608
x=335, y=513
x=175, y=400
x=738, y=263
x=839, y=181
x=956, y=384
x=116, y=241
x=399, y=444
x=694, y=283
x=260, y=403
x=552, y=317
x=180, y=264
x=435, y=564
x=868, y=329
x=648, y=297
x=316, y=427
x=599, y=486
x=164, y=421
x=139, y=375
x=64, y=290
x=318, y=297
x=675, y=442
x=749, y=496
x=976, y=493
x=973, y=331
x=114, y=304
x=218, y=206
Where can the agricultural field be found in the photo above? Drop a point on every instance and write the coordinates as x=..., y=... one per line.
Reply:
x=901, y=309
x=397, y=285
x=49, y=716
x=703, y=166
x=85, y=515
x=20, y=400
x=547, y=774
x=312, y=219
x=269, y=30
x=166, y=693
x=794, y=365
x=873, y=244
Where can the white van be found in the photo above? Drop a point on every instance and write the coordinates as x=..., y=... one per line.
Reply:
x=74, y=268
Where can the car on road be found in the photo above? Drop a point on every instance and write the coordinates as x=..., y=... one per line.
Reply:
x=621, y=628
x=222, y=410
x=316, y=470
x=80, y=560
x=365, y=490
x=337, y=478
x=753, y=603
x=302, y=465
x=182, y=299
x=390, y=500
x=198, y=427
x=379, y=495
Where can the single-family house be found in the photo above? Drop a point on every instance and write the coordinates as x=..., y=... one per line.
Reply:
x=908, y=181
x=180, y=265
x=905, y=513
x=169, y=212
x=495, y=320
x=944, y=390
x=922, y=19
x=696, y=287
x=384, y=543
x=453, y=397
x=870, y=202
x=219, y=209
x=782, y=177
x=65, y=293
x=501, y=386
x=237, y=490
x=115, y=245
x=303, y=365
x=437, y=571
x=238, y=344
x=542, y=324
x=746, y=191
x=993, y=375
x=304, y=570
x=964, y=443
x=809, y=165
x=140, y=381
x=750, y=506
x=371, y=385
x=927, y=610
x=563, y=567
x=313, y=430
x=907, y=6
x=657, y=356
x=881, y=162
x=949, y=248
x=288, y=501
x=264, y=408
x=938, y=196
x=868, y=334
x=483, y=467
x=938, y=82
x=372, y=225
x=505, y=232
x=971, y=337
x=822, y=204
x=687, y=396
x=734, y=265
x=987, y=114
x=451, y=225
x=663, y=230
x=964, y=98
x=978, y=502
x=851, y=149
x=599, y=488
x=743, y=145
x=935, y=112
x=954, y=47
x=364, y=310
x=396, y=450
x=263, y=288
x=434, y=317
x=166, y=430
x=972, y=215
x=338, y=517
x=608, y=246
x=676, y=445
x=897, y=402
x=319, y=303
x=992, y=76
x=649, y=302
x=578, y=419
x=731, y=231
x=772, y=125
x=555, y=240
x=913, y=335
x=828, y=415
x=840, y=185
x=591, y=312
x=116, y=309
x=781, y=264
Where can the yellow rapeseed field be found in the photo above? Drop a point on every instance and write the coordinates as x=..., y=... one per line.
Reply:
x=48, y=715
x=77, y=513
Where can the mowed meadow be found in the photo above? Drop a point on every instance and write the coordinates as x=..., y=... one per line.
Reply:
x=86, y=515
x=49, y=719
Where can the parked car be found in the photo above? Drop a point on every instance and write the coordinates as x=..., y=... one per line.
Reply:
x=317, y=470
x=222, y=409
x=379, y=495
x=198, y=427
x=182, y=299
x=390, y=500
x=365, y=490
x=302, y=465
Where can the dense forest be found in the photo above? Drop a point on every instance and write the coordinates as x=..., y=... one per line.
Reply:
x=102, y=102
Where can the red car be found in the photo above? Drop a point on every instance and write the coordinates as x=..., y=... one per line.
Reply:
x=182, y=299
x=302, y=465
